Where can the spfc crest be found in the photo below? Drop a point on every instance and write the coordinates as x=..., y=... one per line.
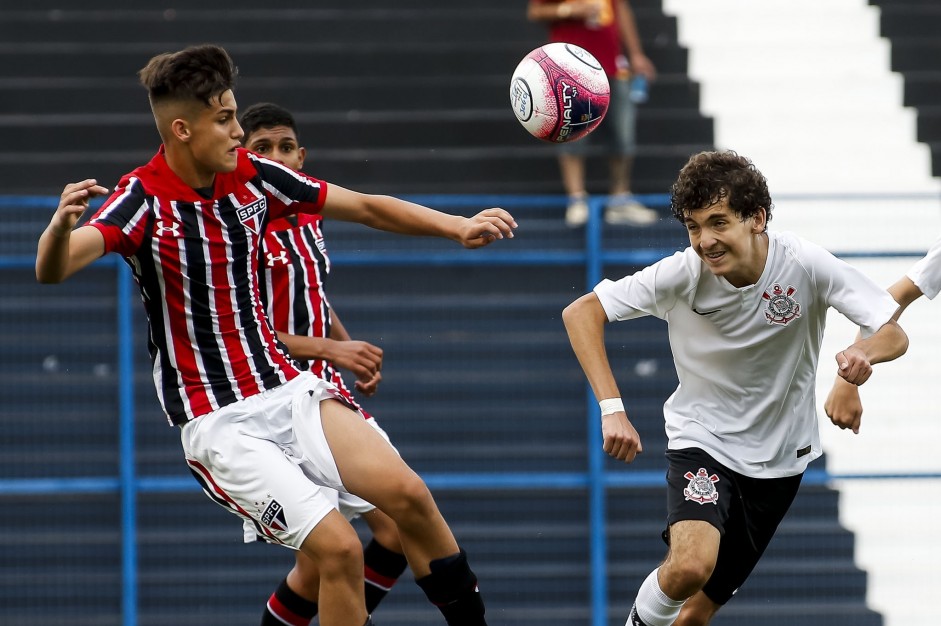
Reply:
x=273, y=516
x=781, y=306
x=251, y=215
x=702, y=487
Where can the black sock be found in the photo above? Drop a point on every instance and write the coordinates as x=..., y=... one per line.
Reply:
x=286, y=607
x=452, y=587
x=382, y=569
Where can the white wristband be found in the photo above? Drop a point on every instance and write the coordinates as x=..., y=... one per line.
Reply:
x=610, y=406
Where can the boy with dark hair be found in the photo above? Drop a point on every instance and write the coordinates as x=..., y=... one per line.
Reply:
x=189, y=224
x=746, y=310
x=295, y=268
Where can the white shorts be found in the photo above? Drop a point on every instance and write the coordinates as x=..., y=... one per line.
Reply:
x=347, y=504
x=263, y=458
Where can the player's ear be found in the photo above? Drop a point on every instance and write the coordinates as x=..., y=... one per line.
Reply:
x=180, y=129
x=302, y=154
x=760, y=221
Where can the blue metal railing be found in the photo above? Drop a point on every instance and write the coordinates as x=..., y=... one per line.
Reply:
x=595, y=479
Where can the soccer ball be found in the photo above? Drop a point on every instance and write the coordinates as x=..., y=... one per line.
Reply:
x=559, y=92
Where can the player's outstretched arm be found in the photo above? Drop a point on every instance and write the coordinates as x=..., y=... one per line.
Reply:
x=584, y=322
x=407, y=218
x=63, y=251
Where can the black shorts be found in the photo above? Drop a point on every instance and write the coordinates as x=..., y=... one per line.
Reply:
x=746, y=511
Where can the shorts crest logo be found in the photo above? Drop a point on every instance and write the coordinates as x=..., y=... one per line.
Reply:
x=273, y=517
x=782, y=307
x=702, y=487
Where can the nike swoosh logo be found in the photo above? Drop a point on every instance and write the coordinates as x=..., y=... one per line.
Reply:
x=698, y=312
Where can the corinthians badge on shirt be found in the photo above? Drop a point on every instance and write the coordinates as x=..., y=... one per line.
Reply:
x=781, y=307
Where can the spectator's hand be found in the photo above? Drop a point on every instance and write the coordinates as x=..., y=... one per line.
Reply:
x=640, y=64
x=853, y=366
x=621, y=440
x=843, y=405
x=360, y=357
x=72, y=204
x=485, y=227
x=585, y=10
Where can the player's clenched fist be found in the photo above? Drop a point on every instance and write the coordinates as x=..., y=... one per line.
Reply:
x=853, y=366
x=621, y=440
x=843, y=406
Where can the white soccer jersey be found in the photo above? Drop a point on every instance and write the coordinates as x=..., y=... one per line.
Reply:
x=926, y=274
x=746, y=357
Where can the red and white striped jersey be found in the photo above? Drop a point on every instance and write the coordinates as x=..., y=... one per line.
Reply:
x=195, y=260
x=296, y=266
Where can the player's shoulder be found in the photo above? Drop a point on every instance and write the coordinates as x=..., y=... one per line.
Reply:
x=795, y=248
x=252, y=164
x=677, y=273
x=155, y=179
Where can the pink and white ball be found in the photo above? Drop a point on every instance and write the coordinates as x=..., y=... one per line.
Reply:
x=559, y=92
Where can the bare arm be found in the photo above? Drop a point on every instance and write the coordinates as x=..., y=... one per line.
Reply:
x=843, y=405
x=367, y=383
x=63, y=251
x=905, y=292
x=398, y=216
x=361, y=358
x=337, y=329
x=584, y=321
x=630, y=38
x=855, y=362
x=556, y=11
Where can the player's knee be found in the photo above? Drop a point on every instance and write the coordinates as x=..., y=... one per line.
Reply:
x=332, y=546
x=343, y=554
x=685, y=577
x=413, y=499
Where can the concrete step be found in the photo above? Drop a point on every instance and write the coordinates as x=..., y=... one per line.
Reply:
x=424, y=128
x=524, y=169
x=301, y=59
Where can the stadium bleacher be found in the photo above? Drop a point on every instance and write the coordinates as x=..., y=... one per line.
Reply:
x=478, y=376
x=912, y=27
